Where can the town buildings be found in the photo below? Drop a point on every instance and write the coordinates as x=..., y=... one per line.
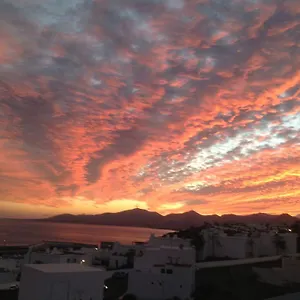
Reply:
x=237, y=243
x=115, y=255
x=159, y=269
x=168, y=240
x=55, y=253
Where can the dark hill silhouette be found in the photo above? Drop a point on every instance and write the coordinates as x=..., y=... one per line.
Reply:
x=143, y=218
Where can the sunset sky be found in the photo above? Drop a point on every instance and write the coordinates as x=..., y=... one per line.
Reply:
x=167, y=105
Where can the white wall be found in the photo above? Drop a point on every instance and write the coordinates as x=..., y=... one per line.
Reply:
x=11, y=264
x=231, y=246
x=168, y=241
x=291, y=243
x=75, y=258
x=47, y=258
x=121, y=249
x=221, y=245
x=266, y=247
x=236, y=262
x=117, y=261
x=43, y=257
x=151, y=256
x=6, y=277
x=157, y=285
x=218, y=244
x=118, y=250
x=37, y=285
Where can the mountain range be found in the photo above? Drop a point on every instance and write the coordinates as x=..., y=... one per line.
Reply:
x=143, y=218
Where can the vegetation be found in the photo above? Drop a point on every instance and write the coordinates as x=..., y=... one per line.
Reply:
x=280, y=243
x=296, y=228
x=130, y=297
x=116, y=288
x=194, y=234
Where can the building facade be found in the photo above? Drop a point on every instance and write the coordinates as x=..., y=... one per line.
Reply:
x=61, y=282
x=164, y=272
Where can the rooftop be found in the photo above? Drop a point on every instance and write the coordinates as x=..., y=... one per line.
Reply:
x=176, y=247
x=63, y=244
x=239, y=282
x=293, y=296
x=163, y=247
x=63, y=268
x=174, y=265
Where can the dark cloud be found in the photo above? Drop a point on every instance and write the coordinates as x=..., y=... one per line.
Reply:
x=126, y=143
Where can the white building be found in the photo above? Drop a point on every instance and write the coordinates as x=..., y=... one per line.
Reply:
x=243, y=245
x=49, y=253
x=269, y=244
x=163, y=272
x=293, y=296
x=57, y=258
x=61, y=282
x=6, y=276
x=12, y=264
x=162, y=282
x=117, y=261
x=172, y=241
x=148, y=257
x=115, y=255
x=219, y=244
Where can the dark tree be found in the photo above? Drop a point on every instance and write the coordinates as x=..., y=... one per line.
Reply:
x=130, y=297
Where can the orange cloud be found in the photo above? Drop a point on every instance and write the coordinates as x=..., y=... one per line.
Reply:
x=166, y=106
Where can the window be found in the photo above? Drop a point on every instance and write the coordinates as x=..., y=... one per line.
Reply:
x=180, y=286
x=169, y=271
x=68, y=260
x=163, y=271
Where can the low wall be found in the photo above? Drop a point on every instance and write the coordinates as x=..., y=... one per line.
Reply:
x=225, y=263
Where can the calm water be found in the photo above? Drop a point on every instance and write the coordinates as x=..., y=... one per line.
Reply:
x=18, y=232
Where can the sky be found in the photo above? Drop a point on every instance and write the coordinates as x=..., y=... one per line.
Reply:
x=165, y=105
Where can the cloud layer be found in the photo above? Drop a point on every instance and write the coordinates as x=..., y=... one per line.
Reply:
x=169, y=105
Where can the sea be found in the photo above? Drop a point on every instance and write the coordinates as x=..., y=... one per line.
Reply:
x=24, y=232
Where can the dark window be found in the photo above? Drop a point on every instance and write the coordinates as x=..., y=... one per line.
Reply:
x=152, y=282
x=68, y=260
x=163, y=271
x=169, y=271
x=180, y=286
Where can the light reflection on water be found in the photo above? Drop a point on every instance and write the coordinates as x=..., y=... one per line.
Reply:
x=20, y=232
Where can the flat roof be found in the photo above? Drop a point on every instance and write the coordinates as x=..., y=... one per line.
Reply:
x=63, y=268
x=6, y=286
x=293, y=296
x=158, y=248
